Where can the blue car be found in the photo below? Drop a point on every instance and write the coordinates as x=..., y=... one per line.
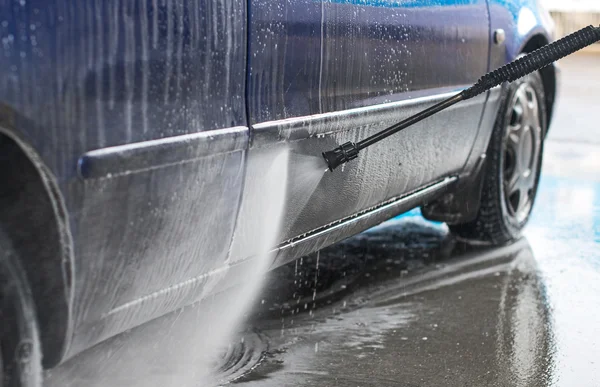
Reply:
x=156, y=152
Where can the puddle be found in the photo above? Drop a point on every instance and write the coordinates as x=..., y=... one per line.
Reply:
x=400, y=312
x=241, y=357
x=385, y=252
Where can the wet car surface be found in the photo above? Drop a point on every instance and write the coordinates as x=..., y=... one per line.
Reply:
x=407, y=305
x=404, y=304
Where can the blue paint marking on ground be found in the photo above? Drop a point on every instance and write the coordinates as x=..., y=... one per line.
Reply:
x=578, y=201
x=416, y=213
x=410, y=214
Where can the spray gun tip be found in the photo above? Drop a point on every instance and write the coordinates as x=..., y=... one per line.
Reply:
x=330, y=160
x=340, y=155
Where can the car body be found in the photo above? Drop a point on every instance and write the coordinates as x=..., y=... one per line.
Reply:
x=143, y=130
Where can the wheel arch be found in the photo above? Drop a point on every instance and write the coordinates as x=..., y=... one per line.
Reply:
x=452, y=207
x=29, y=195
x=549, y=76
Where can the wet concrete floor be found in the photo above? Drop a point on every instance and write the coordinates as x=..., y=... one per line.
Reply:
x=406, y=305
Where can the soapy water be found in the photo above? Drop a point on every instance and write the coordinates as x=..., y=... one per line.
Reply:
x=270, y=204
x=229, y=313
x=200, y=345
x=306, y=172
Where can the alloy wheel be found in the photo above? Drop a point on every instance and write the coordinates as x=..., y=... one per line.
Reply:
x=522, y=146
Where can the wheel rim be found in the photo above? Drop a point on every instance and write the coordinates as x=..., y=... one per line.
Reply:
x=522, y=144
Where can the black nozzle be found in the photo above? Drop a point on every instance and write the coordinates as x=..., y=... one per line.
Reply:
x=340, y=155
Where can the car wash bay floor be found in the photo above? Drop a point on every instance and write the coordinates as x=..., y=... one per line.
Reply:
x=406, y=305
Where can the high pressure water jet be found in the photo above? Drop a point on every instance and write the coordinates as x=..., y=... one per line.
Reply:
x=519, y=68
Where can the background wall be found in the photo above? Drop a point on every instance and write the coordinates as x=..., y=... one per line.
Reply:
x=572, y=5
x=572, y=15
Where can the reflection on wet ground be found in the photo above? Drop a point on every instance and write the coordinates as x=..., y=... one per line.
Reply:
x=419, y=309
x=565, y=238
x=407, y=305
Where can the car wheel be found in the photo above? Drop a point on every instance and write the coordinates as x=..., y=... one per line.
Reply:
x=514, y=161
x=19, y=341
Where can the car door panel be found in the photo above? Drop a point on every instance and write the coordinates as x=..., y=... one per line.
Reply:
x=378, y=51
x=284, y=59
x=410, y=160
x=379, y=62
x=137, y=109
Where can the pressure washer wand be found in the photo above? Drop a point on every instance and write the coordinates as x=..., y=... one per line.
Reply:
x=519, y=68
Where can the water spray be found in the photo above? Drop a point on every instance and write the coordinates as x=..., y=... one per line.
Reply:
x=519, y=68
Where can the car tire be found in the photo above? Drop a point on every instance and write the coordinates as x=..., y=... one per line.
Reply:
x=513, y=165
x=19, y=340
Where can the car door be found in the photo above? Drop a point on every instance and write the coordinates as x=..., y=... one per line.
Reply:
x=377, y=51
x=148, y=99
x=325, y=72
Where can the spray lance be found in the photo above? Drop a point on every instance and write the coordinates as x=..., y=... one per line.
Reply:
x=519, y=68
